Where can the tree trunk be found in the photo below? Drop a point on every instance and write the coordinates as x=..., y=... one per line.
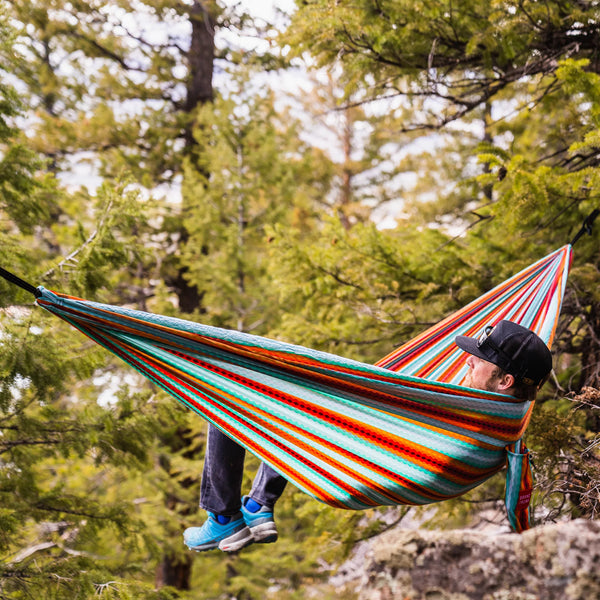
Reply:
x=200, y=61
x=590, y=351
x=172, y=569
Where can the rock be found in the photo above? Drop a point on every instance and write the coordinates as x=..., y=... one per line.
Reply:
x=551, y=562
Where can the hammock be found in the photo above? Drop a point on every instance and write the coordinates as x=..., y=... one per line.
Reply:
x=350, y=434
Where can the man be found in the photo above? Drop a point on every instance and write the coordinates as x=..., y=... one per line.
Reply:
x=233, y=521
x=508, y=359
x=511, y=360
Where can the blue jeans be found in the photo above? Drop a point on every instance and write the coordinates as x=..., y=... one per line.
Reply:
x=220, y=490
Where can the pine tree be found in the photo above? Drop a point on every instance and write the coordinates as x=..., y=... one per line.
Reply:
x=259, y=176
x=116, y=85
x=50, y=522
x=499, y=102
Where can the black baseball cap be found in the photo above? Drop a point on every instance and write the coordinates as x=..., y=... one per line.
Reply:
x=514, y=348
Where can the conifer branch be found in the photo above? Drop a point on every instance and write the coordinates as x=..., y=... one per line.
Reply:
x=72, y=256
x=7, y=446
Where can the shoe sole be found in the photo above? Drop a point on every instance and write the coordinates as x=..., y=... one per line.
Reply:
x=234, y=542
x=202, y=548
x=237, y=541
x=264, y=533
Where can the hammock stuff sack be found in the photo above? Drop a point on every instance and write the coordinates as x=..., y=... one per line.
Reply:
x=350, y=434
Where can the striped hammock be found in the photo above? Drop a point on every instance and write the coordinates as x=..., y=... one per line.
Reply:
x=350, y=434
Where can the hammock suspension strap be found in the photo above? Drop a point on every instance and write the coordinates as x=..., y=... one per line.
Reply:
x=587, y=225
x=20, y=282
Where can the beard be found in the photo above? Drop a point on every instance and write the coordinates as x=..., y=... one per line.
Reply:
x=466, y=382
x=490, y=385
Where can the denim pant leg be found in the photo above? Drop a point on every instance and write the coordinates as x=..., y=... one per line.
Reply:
x=220, y=489
x=267, y=487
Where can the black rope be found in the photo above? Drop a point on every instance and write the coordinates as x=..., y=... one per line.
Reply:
x=18, y=281
x=587, y=225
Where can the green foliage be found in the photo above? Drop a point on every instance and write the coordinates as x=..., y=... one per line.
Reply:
x=489, y=128
x=565, y=451
x=517, y=172
x=363, y=290
x=56, y=442
x=82, y=76
x=313, y=538
x=251, y=174
x=401, y=47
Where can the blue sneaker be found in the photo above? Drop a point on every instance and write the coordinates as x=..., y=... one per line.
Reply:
x=229, y=537
x=260, y=521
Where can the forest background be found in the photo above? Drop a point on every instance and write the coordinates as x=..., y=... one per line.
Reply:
x=341, y=180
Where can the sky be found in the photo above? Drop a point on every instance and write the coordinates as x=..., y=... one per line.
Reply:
x=85, y=173
x=287, y=82
x=262, y=8
x=269, y=10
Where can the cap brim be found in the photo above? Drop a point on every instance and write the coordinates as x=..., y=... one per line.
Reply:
x=470, y=345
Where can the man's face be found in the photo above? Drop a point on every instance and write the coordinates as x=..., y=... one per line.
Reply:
x=482, y=375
